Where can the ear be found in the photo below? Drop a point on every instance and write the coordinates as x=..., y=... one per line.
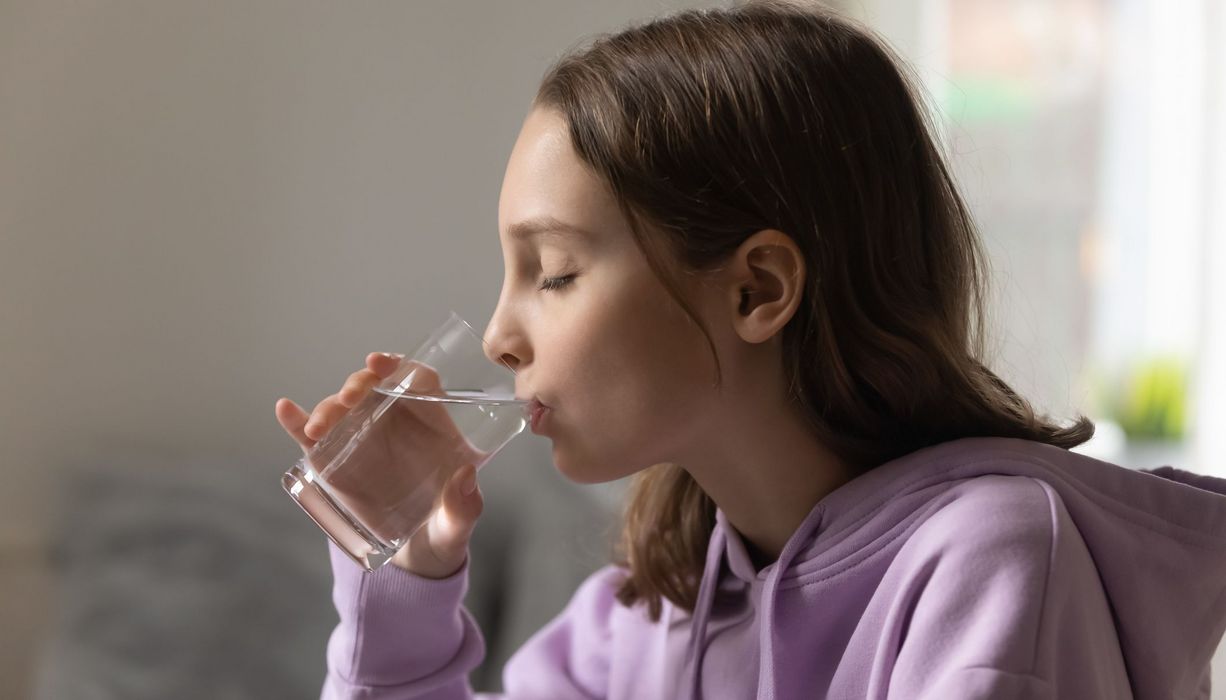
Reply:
x=765, y=282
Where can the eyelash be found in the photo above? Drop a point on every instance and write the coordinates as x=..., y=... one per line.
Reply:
x=553, y=283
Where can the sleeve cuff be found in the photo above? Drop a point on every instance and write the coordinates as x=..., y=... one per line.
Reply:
x=392, y=586
x=395, y=626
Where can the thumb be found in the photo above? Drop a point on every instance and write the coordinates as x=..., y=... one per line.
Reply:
x=462, y=506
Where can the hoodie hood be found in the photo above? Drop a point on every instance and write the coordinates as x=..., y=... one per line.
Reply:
x=1157, y=537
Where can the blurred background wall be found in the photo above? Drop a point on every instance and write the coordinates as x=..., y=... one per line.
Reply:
x=206, y=206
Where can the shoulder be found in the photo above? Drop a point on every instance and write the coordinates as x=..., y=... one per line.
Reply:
x=594, y=603
x=979, y=549
x=600, y=587
x=1000, y=591
x=987, y=531
x=991, y=513
x=570, y=656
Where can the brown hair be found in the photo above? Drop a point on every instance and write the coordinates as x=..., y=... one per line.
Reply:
x=711, y=125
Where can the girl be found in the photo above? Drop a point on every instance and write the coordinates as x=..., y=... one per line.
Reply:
x=737, y=268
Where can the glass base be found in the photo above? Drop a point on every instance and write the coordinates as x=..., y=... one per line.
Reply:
x=355, y=540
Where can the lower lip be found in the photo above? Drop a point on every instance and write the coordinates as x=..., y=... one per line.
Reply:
x=538, y=418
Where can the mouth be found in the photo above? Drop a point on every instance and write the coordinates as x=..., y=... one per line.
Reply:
x=536, y=412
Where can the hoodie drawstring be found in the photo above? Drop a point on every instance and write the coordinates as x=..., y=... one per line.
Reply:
x=796, y=543
x=702, y=612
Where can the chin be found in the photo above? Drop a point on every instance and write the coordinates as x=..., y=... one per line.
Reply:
x=585, y=471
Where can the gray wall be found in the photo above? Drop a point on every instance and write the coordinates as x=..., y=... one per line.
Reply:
x=206, y=206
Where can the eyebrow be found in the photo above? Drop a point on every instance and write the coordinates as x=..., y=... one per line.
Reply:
x=545, y=226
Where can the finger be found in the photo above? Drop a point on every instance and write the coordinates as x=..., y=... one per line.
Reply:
x=356, y=387
x=325, y=415
x=293, y=419
x=462, y=509
x=426, y=379
x=421, y=378
x=415, y=377
x=383, y=363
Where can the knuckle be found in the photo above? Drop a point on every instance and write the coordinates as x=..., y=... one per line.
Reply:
x=322, y=409
x=424, y=375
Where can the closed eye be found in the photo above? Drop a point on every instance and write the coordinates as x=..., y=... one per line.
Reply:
x=552, y=283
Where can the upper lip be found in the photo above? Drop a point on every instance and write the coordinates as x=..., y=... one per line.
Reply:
x=533, y=401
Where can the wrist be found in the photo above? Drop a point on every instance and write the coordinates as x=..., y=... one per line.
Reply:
x=429, y=567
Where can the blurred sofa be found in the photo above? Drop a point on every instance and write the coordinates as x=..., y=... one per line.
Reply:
x=197, y=577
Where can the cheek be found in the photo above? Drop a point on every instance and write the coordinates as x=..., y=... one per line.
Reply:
x=634, y=394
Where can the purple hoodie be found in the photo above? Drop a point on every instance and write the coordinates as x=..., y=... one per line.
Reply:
x=978, y=568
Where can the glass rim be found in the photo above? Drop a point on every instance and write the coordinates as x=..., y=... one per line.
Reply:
x=457, y=396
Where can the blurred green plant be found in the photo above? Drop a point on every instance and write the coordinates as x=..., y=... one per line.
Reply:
x=971, y=98
x=1149, y=400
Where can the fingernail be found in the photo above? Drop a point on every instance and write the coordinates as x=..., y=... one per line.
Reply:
x=393, y=355
x=470, y=483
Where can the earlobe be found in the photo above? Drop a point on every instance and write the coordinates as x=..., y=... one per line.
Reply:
x=769, y=283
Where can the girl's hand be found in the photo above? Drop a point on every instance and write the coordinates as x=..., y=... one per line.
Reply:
x=439, y=548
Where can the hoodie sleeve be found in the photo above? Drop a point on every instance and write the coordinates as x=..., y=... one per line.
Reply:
x=402, y=636
x=1002, y=600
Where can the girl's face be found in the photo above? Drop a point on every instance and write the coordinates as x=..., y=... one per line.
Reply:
x=584, y=322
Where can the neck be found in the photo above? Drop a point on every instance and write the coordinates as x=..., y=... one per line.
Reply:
x=766, y=474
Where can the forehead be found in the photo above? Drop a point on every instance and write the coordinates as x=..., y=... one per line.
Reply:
x=548, y=192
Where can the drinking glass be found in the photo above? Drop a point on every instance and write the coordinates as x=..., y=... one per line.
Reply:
x=378, y=474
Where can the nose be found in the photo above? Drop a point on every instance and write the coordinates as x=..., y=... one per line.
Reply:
x=505, y=341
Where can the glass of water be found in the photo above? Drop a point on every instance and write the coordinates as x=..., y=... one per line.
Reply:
x=378, y=475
